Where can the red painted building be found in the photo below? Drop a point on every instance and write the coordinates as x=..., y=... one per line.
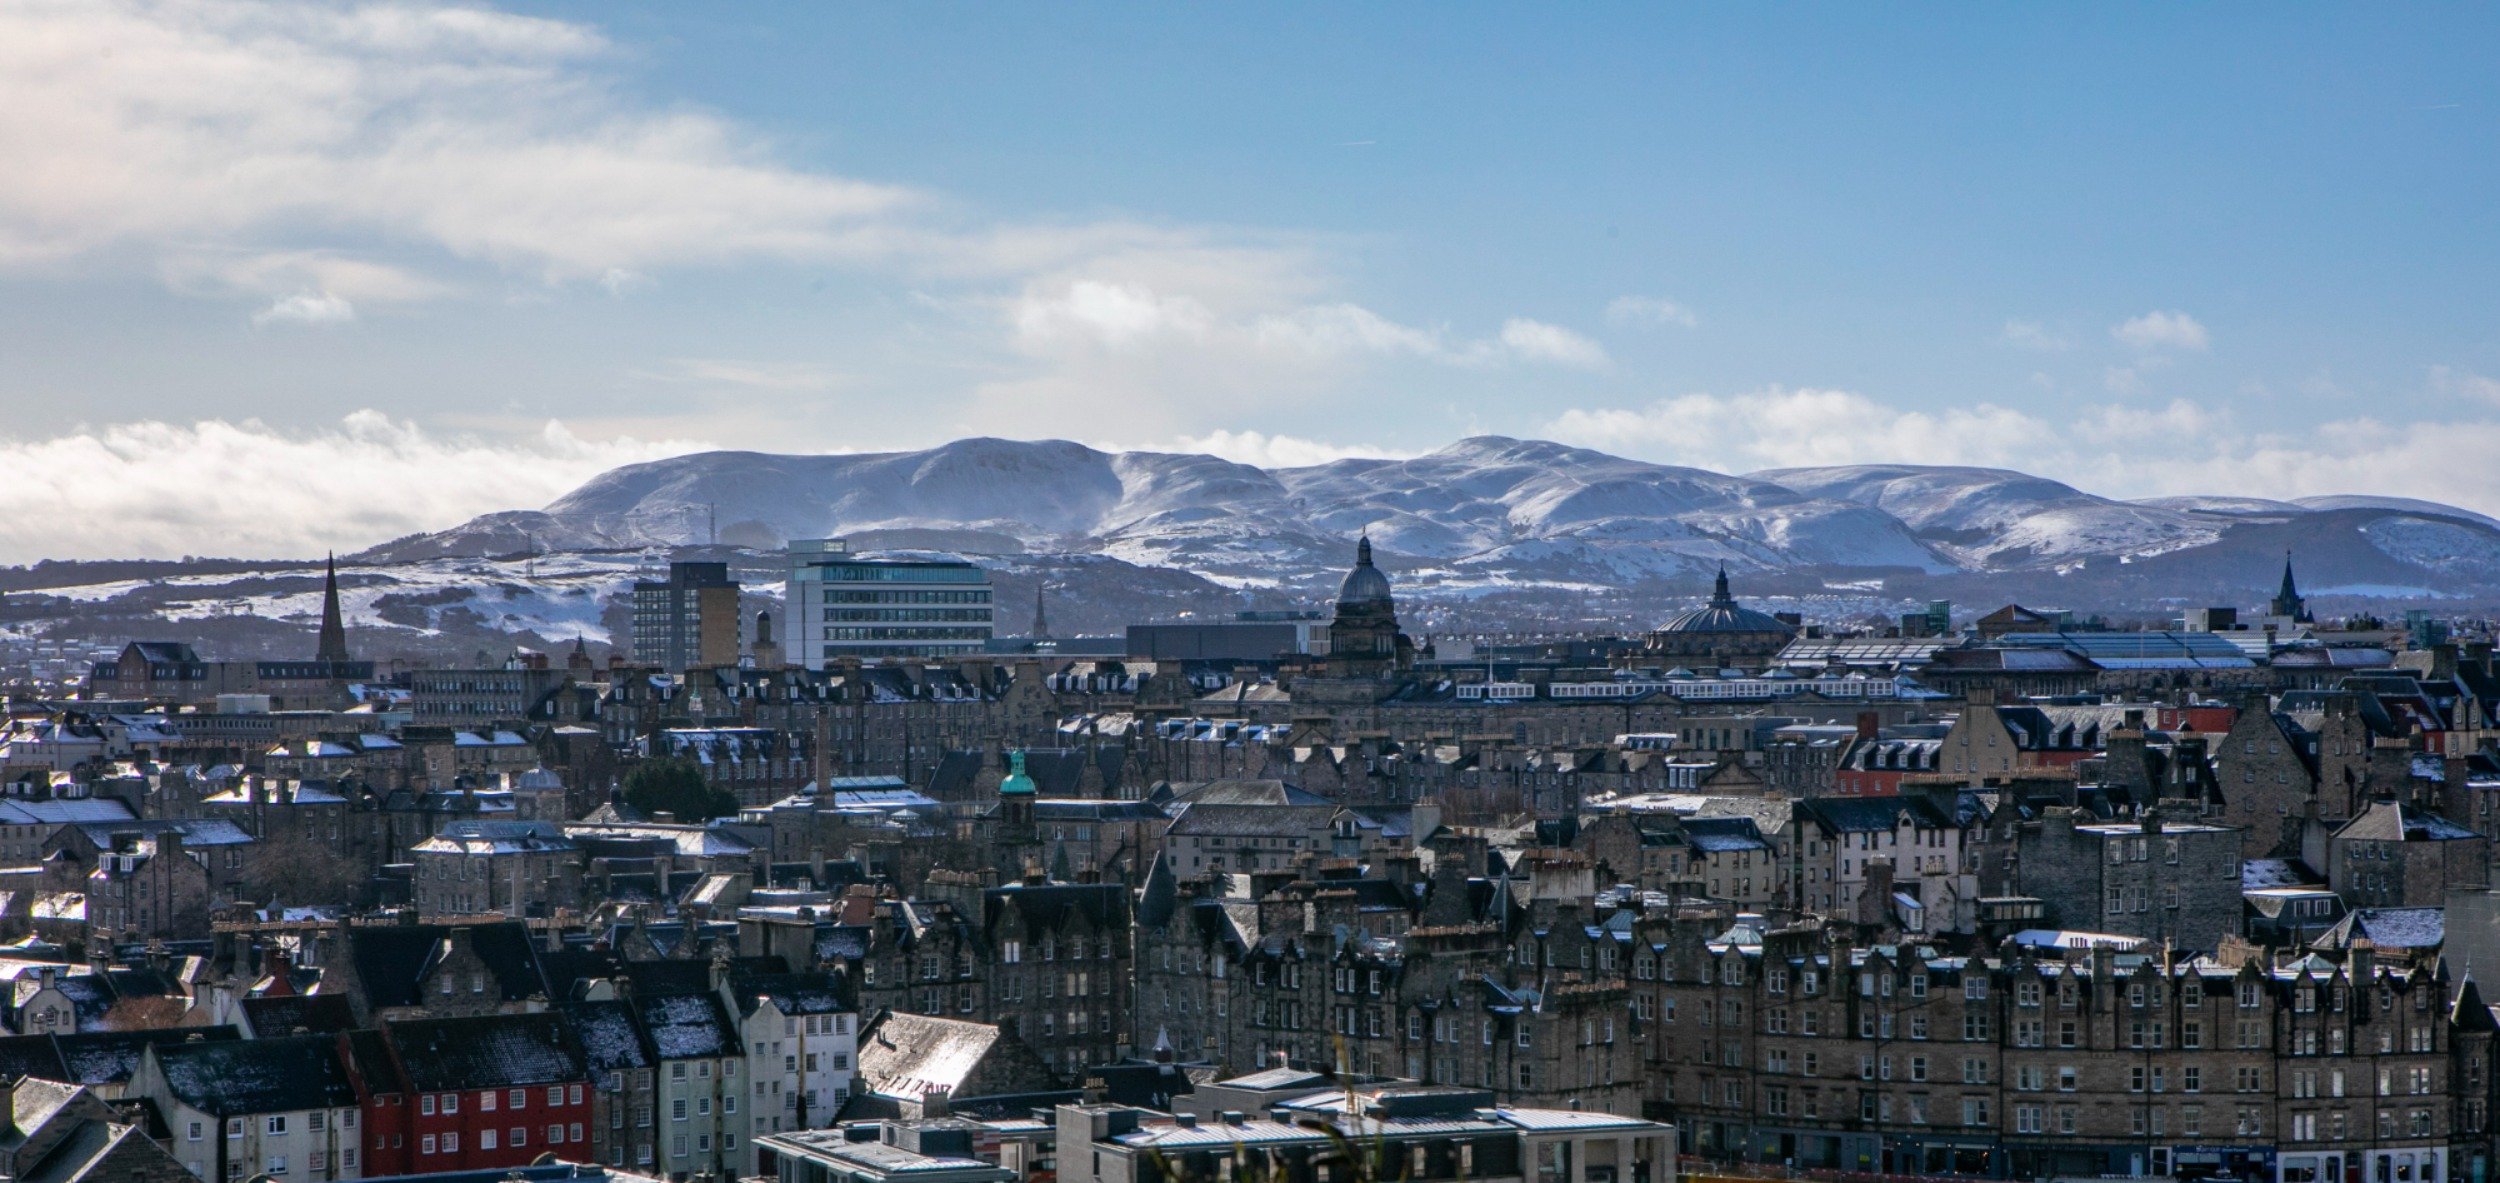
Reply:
x=477, y=1093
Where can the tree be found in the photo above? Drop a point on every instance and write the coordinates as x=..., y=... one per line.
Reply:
x=292, y=868
x=676, y=787
x=145, y=1012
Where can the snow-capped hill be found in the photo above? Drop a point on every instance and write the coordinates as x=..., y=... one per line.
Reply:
x=1498, y=511
x=2200, y=503
x=1993, y=518
x=2406, y=504
x=1498, y=489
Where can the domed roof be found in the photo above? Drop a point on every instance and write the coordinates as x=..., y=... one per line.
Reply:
x=1722, y=615
x=1017, y=784
x=1364, y=584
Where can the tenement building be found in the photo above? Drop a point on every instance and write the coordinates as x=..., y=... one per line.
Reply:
x=1795, y=1047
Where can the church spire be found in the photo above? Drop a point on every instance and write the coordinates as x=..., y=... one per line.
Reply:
x=2287, y=601
x=1041, y=614
x=1720, y=597
x=333, y=642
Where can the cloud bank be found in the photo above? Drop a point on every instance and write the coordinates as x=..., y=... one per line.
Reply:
x=2181, y=447
x=248, y=490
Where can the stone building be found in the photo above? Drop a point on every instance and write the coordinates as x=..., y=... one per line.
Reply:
x=2264, y=770
x=1719, y=635
x=1795, y=1046
x=2397, y=855
x=2150, y=877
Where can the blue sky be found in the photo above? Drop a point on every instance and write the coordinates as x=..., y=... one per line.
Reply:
x=371, y=269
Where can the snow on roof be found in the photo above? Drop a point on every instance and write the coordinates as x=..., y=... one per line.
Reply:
x=62, y=811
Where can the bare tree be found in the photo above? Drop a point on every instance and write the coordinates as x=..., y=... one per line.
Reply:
x=145, y=1012
x=297, y=869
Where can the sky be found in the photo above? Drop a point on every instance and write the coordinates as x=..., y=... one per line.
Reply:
x=276, y=278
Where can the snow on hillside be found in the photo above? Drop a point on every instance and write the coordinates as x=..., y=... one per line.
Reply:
x=1483, y=511
x=1992, y=518
x=557, y=596
x=2407, y=504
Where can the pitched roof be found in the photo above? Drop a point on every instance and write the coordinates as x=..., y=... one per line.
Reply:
x=610, y=1039
x=2389, y=821
x=392, y=961
x=112, y=1057
x=1248, y=821
x=257, y=1075
x=687, y=1026
x=487, y=1051
x=285, y=1014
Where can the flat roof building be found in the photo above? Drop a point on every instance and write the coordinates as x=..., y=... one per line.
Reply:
x=848, y=605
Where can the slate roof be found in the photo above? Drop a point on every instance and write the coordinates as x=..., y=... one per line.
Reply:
x=487, y=1051
x=687, y=1026
x=112, y=1057
x=287, y=1074
x=2388, y=821
x=611, y=1041
x=31, y=1055
x=2259, y=873
x=1718, y=835
x=690, y=841
x=1046, y=906
x=907, y=1055
x=1252, y=821
x=816, y=993
x=317, y=1014
x=1237, y=792
x=2389, y=928
x=392, y=960
x=1864, y=814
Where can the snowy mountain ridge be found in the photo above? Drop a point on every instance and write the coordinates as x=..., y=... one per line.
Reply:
x=1489, y=508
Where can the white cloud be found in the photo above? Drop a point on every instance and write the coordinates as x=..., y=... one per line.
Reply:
x=2184, y=447
x=1532, y=340
x=2161, y=330
x=484, y=136
x=1272, y=451
x=2031, y=334
x=1780, y=428
x=765, y=376
x=2455, y=383
x=307, y=308
x=249, y=490
x=1648, y=310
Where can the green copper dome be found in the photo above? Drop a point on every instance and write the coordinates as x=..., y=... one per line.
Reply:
x=1017, y=783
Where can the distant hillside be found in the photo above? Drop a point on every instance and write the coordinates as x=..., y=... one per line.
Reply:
x=1486, y=534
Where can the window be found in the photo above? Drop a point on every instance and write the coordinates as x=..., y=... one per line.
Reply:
x=486, y=1100
x=277, y=1164
x=451, y=1143
x=277, y=1124
x=195, y=1131
x=486, y=1139
x=451, y=1102
x=426, y=1144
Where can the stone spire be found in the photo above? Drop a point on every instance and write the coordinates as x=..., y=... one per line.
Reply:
x=333, y=646
x=1720, y=597
x=1041, y=614
x=2287, y=601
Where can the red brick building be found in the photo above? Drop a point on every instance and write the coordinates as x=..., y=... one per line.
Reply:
x=477, y=1093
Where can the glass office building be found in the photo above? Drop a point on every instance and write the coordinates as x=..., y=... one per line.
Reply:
x=847, y=605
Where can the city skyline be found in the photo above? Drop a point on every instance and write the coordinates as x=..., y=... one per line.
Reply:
x=337, y=274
